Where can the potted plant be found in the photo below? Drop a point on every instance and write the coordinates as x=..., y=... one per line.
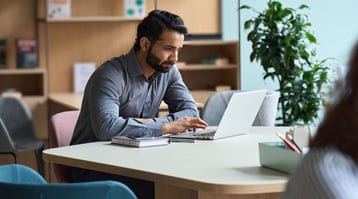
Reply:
x=284, y=45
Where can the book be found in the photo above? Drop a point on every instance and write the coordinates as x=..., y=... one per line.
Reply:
x=58, y=8
x=2, y=53
x=81, y=73
x=141, y=141
x=222, y=87
x=26, y=53
x=183, y=139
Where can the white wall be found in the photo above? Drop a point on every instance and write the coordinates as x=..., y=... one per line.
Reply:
x=230, y=19
x=335, y=28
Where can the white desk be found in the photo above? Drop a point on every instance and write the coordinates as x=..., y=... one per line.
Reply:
x=186, y=170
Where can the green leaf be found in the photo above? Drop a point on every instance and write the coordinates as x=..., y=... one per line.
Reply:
x=303, y=6
x=245, y=7
x=311, y=37
x=247, y=24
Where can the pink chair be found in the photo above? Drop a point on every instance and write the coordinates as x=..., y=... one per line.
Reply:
x=61, y=129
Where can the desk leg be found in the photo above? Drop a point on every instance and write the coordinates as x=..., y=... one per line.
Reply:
x=164, y=191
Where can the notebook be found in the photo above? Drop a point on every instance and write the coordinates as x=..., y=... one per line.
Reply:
x=237, y=119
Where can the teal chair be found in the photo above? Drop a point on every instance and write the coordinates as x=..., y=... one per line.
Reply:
x=21, y=182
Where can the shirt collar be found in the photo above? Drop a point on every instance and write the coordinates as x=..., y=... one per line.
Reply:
x=134, y=68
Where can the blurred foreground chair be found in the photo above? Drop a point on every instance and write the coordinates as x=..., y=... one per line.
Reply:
x=61, y=129
x=21, y=182
x=215, y=106
x=17, y=132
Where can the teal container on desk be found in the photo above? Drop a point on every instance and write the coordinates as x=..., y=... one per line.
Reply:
x=276, y=155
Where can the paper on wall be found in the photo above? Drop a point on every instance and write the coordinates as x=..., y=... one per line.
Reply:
x=81, y=73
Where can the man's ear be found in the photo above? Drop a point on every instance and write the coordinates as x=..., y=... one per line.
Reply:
x=144, y=43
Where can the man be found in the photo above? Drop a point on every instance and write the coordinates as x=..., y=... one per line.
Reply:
x=123, y=95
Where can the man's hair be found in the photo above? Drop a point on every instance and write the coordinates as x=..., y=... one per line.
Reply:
x=155, y=23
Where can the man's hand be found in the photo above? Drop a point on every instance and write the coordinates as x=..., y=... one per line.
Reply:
x=183, y=124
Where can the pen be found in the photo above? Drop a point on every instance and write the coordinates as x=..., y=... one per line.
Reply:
x=140, y=138
x=288, y=143
x=131, y=137
x=289, y=136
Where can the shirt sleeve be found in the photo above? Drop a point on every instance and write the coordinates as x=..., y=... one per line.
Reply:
x=104, y=112
x=107, y=123
x=179, y=99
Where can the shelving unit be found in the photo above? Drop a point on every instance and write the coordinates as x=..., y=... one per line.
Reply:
x=95, y=19
x=97, y=36
x=95, y=32
x=18, y=20
x=29, y=82
x=205, y=77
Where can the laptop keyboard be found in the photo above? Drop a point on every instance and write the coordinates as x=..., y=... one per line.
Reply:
x=205, y=134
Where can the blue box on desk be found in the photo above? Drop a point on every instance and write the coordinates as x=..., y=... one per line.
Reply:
x=276, y=155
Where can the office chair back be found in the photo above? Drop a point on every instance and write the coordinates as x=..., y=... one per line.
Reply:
x=6, y=144
x=268, y=111
x=21, y=182
x=17, y=132
x=62, y=126
x=216, y=104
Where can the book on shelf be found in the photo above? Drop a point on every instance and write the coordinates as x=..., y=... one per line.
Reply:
x=2, y=53
x=26, y=53
x=140, y=141
x=222, y=87
x=58, y=8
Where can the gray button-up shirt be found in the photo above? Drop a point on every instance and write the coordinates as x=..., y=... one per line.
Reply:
x=117, y=92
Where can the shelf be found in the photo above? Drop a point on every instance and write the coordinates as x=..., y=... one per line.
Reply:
x=200, y=76
x=18, y=20
x=214, y=42
x=29, y=82
x=22, y=71
x=206, y=67
x=194, y=52
x=94, y=19
x=201, y=96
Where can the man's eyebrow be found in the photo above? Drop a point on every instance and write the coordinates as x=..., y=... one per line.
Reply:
x=170, y=46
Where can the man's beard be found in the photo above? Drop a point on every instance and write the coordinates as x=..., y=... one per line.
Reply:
x=153, y=61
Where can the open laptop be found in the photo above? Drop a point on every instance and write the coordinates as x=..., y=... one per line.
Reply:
x=237, y=119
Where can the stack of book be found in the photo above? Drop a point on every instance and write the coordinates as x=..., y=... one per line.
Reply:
x=141, y=141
